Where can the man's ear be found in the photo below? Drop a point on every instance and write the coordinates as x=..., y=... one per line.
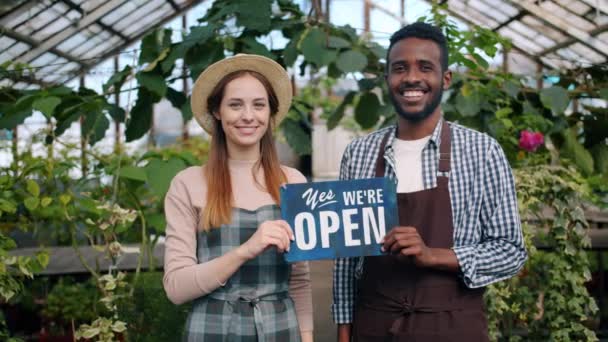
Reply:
x=447, y=79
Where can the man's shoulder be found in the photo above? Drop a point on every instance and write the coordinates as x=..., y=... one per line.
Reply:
x=471, y=136
x=370, y=140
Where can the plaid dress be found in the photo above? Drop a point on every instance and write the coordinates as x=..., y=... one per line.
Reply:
x=254, y=305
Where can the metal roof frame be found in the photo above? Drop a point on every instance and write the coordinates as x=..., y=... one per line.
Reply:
x=67, y=38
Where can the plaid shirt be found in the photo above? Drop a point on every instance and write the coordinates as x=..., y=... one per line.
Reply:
x=488, y=240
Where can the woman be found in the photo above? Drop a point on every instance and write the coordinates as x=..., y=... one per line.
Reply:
x=224, y=239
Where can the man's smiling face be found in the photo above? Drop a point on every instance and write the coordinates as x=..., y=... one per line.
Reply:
x=415, y=78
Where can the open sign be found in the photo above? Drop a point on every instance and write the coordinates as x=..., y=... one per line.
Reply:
x=339, y=218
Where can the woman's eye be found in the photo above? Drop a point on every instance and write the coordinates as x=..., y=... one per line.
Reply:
x=260, y=105
x=234, y=105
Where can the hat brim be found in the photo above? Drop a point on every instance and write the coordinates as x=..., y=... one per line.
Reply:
x=208, y=79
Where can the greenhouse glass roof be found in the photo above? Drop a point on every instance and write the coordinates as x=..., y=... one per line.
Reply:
x=68, y=37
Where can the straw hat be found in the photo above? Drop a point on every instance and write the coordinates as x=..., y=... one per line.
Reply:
x=208, y=79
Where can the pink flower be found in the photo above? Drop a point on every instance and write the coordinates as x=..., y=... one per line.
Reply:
x=530, y=141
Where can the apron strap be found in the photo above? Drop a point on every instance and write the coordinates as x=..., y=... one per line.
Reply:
x=445, y=148
x=380, y=163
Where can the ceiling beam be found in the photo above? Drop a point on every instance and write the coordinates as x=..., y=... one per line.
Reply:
x=17, y=10
x=518, y=16
x=559, y=23
x=514, y=47
x=570, y=41
x=188, y=5
x=174, y=5
x=601, y=5
x=35, y=43
x=85, y=21
x=108, y=28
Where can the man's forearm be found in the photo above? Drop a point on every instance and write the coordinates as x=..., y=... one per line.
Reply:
x=344, y=332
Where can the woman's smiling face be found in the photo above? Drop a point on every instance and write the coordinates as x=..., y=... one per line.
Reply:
x=244, y=112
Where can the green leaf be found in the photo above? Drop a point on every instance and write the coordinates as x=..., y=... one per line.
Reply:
x=338, y=43
x=576, y=152
x=555, y=98
x=367, y=84
x=603, y=93
x=528, y=108
x=186, y=110
x=65, y=199
x=336, y=116
x=200, y=57
x=378, y=50
x=141, y=115
x=177, y=98
x=117, y=80
x=7, y=207
x=178, y=51
x=153, y=82
x=481, y=61
x=12, y=120
x=31, y=203
x=298, y=138
x=468, y=105
x=511, y=88
x=94, y=126
x=133, y=173
x=600, y=157
x=159, y=174
x=153, y=44
x=198, y=35
x=313, y=48
x=119, y=326
x=290, y=53
x=46, y=201
x=254, y=14
x=157, y=221
x=351, y=61
x=116, y=113
x=90, y=333
x=503, y=112
x=43, y=258
x=46, y=105
x=366, y=111
x=252, y=46
x=32, y=187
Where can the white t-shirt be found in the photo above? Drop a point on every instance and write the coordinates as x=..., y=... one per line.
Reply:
x=408, y=164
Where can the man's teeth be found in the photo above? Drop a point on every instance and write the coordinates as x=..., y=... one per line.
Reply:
x=413, y=93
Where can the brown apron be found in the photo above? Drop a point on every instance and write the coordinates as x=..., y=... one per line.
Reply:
x=398, y=301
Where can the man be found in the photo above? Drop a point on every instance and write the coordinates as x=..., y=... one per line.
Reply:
x=459, y=227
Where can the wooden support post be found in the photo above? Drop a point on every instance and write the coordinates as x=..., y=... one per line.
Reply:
x=117, y=102
x=83, y=139
x=15, y=148
x=539, y=75
x=366, y=14
x=505, y=60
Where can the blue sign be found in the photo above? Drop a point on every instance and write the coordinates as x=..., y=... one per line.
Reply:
x=339, y=218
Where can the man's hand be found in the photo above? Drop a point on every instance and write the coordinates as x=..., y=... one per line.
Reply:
x=407, y=244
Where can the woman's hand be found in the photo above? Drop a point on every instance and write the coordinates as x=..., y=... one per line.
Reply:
x=270, y=233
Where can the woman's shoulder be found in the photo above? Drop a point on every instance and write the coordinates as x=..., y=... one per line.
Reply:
x=293, y=175
x=188, y=177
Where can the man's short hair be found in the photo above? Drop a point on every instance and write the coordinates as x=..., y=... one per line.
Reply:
x=422, y=30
